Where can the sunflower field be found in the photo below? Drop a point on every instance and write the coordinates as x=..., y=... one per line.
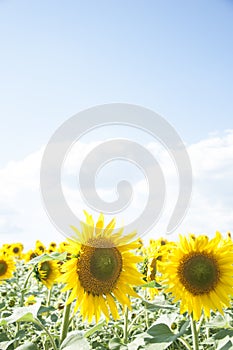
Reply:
x=102, y=289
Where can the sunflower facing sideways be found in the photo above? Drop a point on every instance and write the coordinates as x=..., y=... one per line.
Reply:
x=47, y=272
x=101, y=269
x=199, y=274
x=7, y=267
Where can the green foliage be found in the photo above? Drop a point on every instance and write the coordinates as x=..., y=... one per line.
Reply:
x=151, y=325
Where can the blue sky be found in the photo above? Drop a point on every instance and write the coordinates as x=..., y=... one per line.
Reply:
x=60, y=57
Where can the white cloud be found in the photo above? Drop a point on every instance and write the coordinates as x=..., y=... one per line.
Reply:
x=22, y=216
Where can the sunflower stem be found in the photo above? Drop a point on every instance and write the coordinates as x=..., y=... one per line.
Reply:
x=21, y=302
x=38, y=323
x=194, y=333
x=66, y=319
x=49, y=297
x=185, y=343
x=126, y=321
x=24, y=288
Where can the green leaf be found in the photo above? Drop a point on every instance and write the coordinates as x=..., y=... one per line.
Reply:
x=154, y=307
x=223, y=333
x=3, y=337
x=151, y=284
x=136, y=344
x=48, y=257
x=74, y=341
x=116, y=344
x=27, y=346
x=54, y=318
x=219, y=321
x=44, y=309
x=22, y=314
x=161, y=333
x=2, y=305
x=6, y=344
x=161, y=346
x=94, y=329
x=225, y=344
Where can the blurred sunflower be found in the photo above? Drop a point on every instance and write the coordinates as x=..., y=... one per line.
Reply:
x=62, y=247
x=52, y=247
x=101, y=269
x=7, y=267
x=40, y=247
x=47, y=272
x=199, y=273
x=31, y=300
x=31, y=254
x=154, y=253
x=16, y=250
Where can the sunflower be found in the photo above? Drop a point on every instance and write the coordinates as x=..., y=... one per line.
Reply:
x=47, y=272
x=199, y=273
x=31, y=300
x=7, y=267
x=62, y=247
x=40, y=247
x=52, y=248
x=31, y=254
x=101, y=269
x=155, y=253
x=16, y=250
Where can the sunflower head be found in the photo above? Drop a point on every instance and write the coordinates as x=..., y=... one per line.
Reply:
x=47, y=272
x=31, y=254
x=62, y=247
x=31, y=300
x=52, y=247
x=16, y=250
x=101, y=269
x=199, y=274
x=40, y=247
x=7, y=267
x=155, y=252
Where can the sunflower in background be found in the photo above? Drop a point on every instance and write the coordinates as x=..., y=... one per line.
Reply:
x=7, y=266
x=31, y=300
x=199, y=274
x=40, y=248
x=52, y=248
x=101, y=269
x=155, y=253
x=47, y=272
x=16, y=250
x=31, y=254
x=62, y=248
x=5, y=248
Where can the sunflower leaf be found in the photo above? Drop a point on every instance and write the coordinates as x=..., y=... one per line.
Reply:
x=27, y=346
x=22, y=314
x=94, y=329
x=5, y=344
x=154, y=307
x=116, y=344
x=74, y=341
x=48, y=257
x=161, y=333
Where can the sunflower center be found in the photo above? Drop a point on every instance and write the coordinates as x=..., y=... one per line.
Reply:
x=33, y=255
x=199, y=273
x=3, y=267
x=45, y=269
x=99, y=268
x=16, y=250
